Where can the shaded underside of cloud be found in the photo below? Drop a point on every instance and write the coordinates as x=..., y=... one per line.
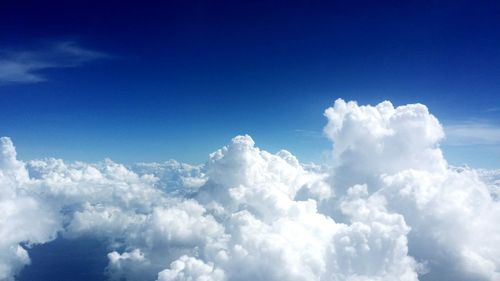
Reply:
x=389, y=207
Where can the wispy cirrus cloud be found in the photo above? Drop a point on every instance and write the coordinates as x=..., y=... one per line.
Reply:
x=27, y=66
x=473, y=133
x=492, y=109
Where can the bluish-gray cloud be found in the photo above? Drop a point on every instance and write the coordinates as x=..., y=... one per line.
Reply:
x=27, y=66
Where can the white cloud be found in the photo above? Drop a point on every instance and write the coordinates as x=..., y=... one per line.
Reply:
x=189, y=268
x=450, y=211
x=492, y=179
x=369, y=141
x=27, y=66
x=389, y=208
x=24, y=219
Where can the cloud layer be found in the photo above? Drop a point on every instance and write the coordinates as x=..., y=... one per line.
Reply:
x=388, y=208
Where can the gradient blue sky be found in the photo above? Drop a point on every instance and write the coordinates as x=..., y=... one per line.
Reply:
x=139, y=81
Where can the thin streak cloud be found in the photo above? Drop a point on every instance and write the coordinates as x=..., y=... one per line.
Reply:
x=473, y=133
x=27, y=66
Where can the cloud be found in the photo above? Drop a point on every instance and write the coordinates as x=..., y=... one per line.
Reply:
x=388, y=208
x=26, y=66
x=188, y=268
x=396, y=151
x=492, y=109
x=473, y=133
x=491, y=178
x=25, y=219
x=369, y=141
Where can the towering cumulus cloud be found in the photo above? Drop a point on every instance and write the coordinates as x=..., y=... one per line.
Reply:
x=373, y=140
x=451, y=212
x=387, y=208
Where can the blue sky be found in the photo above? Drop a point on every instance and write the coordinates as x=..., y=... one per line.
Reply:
x=150, y=82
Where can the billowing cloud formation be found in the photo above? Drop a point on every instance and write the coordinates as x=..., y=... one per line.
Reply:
x=23, y=218
x=450, y=211
x=370, y=141
x=388, y=208
x=492, y=179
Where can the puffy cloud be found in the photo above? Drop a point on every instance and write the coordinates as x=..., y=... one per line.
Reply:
x=492, y=179
x=440, y=206
x=191, y=269
x=174, y=176
x=373, y=140
x=388, y=208
x=25, y=219
x=450, y=211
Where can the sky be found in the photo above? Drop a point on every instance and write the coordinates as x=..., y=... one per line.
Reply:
x=389, y=112
x=142, y=82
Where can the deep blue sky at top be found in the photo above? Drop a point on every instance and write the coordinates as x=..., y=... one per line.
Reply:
x=182, y=77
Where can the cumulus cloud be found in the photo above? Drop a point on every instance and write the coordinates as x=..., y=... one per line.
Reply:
x=189, y=268
x=373, y=140
x=26, y=66
x=450, y=211
x=388, y=208
x=25, y=219
x=490, y=178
